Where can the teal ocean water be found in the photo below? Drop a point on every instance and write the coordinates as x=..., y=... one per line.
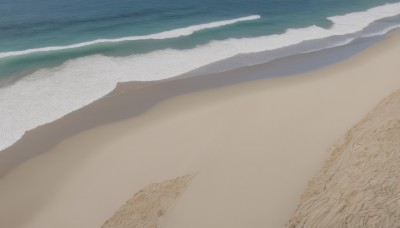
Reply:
x=58, y=56
x=26, y=25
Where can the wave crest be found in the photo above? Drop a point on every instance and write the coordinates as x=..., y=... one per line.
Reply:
x=158, y=36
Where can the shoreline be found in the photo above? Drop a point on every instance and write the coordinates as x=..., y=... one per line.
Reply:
x=18, y=97
x=130, y=99
x=254, y=145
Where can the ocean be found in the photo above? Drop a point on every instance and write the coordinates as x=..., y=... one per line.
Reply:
x=58, y=56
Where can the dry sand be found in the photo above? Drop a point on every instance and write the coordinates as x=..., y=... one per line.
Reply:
x=254, y=146
x=359, y=186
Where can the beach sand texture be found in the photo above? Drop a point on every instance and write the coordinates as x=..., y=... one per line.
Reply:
x=359, y=185
x=253, y=146
x=148, y=207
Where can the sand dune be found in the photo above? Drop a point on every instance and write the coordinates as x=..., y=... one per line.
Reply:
x=359, y=185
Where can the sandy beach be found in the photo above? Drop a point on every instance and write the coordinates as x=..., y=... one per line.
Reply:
x=252, y=144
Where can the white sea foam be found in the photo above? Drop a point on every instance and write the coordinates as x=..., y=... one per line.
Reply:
x=158, y=36
x=49, y=94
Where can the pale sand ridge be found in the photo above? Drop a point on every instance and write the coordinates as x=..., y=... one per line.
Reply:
x=359, y=186
x=147, y=207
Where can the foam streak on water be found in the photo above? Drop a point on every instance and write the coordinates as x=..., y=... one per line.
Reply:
x=49, y=94
x=158, y=36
